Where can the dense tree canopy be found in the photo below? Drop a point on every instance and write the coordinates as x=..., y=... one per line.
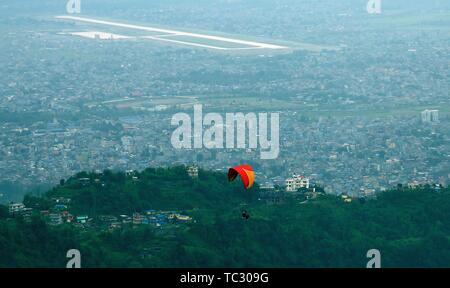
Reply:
x=410, y=227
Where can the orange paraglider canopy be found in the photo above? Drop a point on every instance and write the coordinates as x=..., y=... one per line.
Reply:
x=245, y=171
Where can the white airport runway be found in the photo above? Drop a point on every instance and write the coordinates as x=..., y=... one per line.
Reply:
x=247, y=44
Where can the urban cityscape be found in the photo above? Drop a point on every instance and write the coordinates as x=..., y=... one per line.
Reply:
x=89, y=92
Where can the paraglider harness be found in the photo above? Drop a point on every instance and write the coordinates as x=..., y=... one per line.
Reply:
x=245, y=215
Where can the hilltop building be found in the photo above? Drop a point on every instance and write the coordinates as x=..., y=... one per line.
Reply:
x=192, y=171
x=55, y=219
x=16, y=208
x=296, y=182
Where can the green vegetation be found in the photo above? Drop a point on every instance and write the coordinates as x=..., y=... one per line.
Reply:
x=162, y=189
x=410, y=227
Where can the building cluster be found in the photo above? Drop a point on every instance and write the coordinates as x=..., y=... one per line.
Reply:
x=354, y=155
x=60, y=214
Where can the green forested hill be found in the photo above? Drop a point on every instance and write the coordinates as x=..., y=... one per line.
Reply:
x=171, y=188
x=411, y=228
